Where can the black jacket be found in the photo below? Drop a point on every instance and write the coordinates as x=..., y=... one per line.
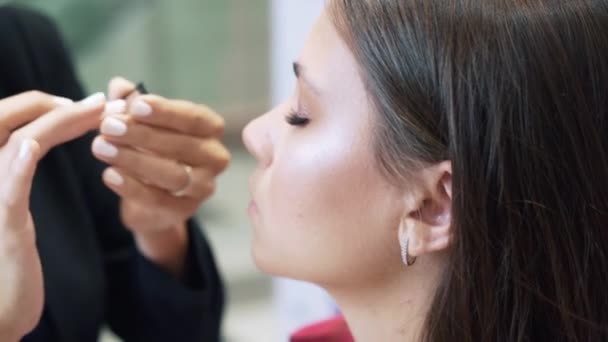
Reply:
x=92, y=271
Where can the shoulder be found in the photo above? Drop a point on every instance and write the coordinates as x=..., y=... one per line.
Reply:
x=18, y=19
x=10, y=14
x=33, y=54
x=23, y=26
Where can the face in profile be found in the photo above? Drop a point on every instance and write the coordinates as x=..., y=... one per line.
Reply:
x=429, y=86
x=321, y=209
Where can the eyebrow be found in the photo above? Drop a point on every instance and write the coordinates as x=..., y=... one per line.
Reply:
x=298, y=70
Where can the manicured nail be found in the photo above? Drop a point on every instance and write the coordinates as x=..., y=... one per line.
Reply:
x=117, y=83
x=94, y=100
x=62, y=101
x=140, y=108
x=25, y=151
x=113, y=177
x=114, y=127
x=25, y=154
x=104, y=148
x=116, y=107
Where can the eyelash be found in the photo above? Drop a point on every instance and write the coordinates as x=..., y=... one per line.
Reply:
x=297, y=119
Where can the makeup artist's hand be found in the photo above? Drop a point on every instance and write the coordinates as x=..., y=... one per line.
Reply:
x=30, y=125
x=164, y=156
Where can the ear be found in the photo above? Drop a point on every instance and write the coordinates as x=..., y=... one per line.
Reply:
x=426, y=226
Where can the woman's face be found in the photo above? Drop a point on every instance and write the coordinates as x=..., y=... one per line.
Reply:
x=321, y=209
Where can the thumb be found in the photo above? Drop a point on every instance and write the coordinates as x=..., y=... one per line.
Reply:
x=18, y=185
x=119, y=87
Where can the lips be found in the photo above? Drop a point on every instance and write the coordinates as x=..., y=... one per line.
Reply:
x=253, y=207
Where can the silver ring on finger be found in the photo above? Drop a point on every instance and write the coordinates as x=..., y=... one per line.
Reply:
x=184, y=190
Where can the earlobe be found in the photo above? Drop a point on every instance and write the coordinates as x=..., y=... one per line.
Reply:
x=417, y=238
x=427, y=226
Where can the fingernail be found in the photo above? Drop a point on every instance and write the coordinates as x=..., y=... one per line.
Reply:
x=116, y=84
x=104, y=148
x=116, y=107
x=62, y=101
x=114, y=177
x=140, y=108
x=25, y=151
x=25, y=154
x=114, y=127
x=94, y=100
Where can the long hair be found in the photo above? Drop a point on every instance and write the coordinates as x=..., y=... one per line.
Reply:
x=515, y=94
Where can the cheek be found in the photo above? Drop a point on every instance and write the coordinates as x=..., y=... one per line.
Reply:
x=321, y=205
x=311, y=182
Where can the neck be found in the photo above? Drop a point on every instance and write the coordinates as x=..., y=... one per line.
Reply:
x=392, y=309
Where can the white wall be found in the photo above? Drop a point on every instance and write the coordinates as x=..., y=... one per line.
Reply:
x=291, y=22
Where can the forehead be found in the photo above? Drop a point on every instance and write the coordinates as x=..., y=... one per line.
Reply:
x=328, y=61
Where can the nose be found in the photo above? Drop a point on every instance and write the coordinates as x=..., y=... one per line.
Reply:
x=257, y=139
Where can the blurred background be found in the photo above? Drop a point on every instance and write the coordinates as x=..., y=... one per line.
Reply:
x=235, y=56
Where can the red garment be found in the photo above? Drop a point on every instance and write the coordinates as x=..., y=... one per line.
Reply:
x=333, y=330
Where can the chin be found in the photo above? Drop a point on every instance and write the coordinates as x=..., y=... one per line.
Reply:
x=261, y=257
x=271, y=263
x=284, y=266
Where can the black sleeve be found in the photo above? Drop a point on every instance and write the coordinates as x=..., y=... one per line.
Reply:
x=143, y=303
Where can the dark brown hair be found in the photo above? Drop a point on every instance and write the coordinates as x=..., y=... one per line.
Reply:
x=515, y=94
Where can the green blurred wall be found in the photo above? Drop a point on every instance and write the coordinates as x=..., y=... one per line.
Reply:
x=211, y=51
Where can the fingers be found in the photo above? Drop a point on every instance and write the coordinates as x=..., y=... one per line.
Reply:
x=21, y=109
x=133, y=190
x=157, y=171
x=180, y=116
x=64, y=123
x=119, y=88
x=208, y=153
x=16, y=189
x=135, y=215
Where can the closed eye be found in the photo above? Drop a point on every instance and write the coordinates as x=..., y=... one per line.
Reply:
x=296, y=119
